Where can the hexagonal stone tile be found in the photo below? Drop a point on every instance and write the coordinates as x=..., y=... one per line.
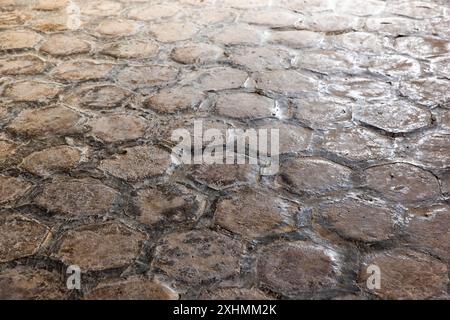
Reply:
x=221, y=78
x=224, y=176
x=133, y=288
x=30, y=90
x=173, y=31
x=245, y=106
x=358, y=218
x=116, y=128
x=48, y=121
x=361, y=89
x=174, y=100
x=30, y=283
x=430, y=92
x=233, y=294
x=407, y=274
x=314, y=175
x=288, y=82
x=148, y=12
x=197, y=53
x=298, y=39
x=273, y=18
x=18, y=65
x=432, y=149
x=97, y=96
x=396, y=66
x=18, y=39
x=11, y=188
x=428, y=228
x=363, y=42
x=48, y=161
x=422, y=47
x=137, y=163
x=308, y=6
x=327, y=62
x=357, y=144
x=252, y=214
x=100, y=246
x=76, y=197
x=327, y=22
x=64, y=45
x=20, y=236
x=395, y=117
x=133, y=49
x=82, y=70
x=146, y=76
x=169, y=203
x=403, y=182
x=301, y=267
x=100, y=7
x=117, y=27
x=395, y=26
x=198, y=256
x=319, y=113
x=239, y=34
x=261, y=58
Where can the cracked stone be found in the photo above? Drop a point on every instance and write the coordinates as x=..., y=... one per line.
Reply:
x=393, y=66
x=100, y=246
x=12, y=189
x=133, y=288
x=147, y=76
x=395, y=26
x=29, y=91
x=272, y=18
x=45, y=122
x=407, y=274
x=298, y=39
x=223, y=176
x=430, y=92
x=82, y=70
x=403, y=182
x=137, y=163
x=20, y=237
x=363, y=89
x=117, y=28
x=314, y=175
x=173, y=31
x=177, y=204
x=292, y=138
x=221, y=78
x=288, y=82
x=428, y=228
x=116, y=128
x=441, y=66
x=395, y=117
x=238, y=35
x=432, y=149
x=357, y=144
x=150, y=12
x=65, y=45
x=297, y=268
x=198, y=256
x=30, y=283
x=326, y=62
x=18, y=39
x=199, y=53
x=174, y=100
x=252, y=214
x=358, y=219
x=48, y=161
x=100, y=8
x=245, y=106
x=358, y=42
x=7, y=149
x=22, y=65
x=261, y=58
x=133, y=49
x=419, y=47
x=98, y=96
x=77, y=197
x=327, y=22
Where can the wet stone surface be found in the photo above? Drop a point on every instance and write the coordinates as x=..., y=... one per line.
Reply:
x=91, y=91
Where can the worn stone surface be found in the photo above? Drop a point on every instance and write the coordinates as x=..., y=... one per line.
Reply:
x=198, y=256
x=28, y=283
x=134, y=288
x=91, y=92
x=137, y=163
x=12, y=188
x=294, y=268
x=51, y=160
x=76, y=197
x=403, y=182
x=98, y=247
x=407, y=274
x=20, y=236
x=255, y=214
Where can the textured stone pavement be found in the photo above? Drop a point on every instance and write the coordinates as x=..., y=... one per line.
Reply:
x=90, y=91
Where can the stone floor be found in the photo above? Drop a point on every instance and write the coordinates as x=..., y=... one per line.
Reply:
x=91, y=90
